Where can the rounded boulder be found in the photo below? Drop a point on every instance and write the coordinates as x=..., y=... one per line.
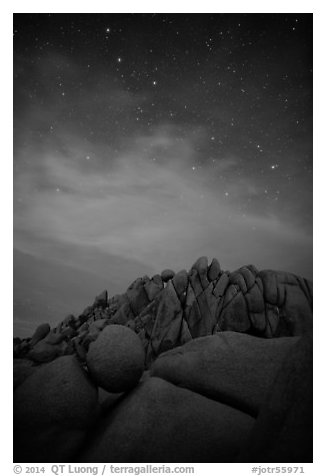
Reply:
x=57, y=393
x=41, y=331
x=167, y=274
x=116, y=359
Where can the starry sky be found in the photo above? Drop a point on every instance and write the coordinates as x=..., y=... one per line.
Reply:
x=143, y=141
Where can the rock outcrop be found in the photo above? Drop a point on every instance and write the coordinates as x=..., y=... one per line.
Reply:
x=212, y=344
x=170, y=309
x=159, y=422
x=53, y=409
x=116, y=359
x=229, y=367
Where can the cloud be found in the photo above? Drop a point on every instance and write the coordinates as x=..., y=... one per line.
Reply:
x=152, y=194
x=148, y=204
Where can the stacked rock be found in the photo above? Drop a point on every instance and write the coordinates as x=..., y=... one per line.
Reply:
x=172, y=308
x=208, y=340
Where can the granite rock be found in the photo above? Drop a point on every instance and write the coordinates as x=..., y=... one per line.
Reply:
x=137, y=296
x=22, y=369
x=232, y=368
x=41, y=331
x=43, y=352
x=214, y=270
x=116, y=359
x=55, y=401
x=283, y=432
x=159, y=422
x=167, y=274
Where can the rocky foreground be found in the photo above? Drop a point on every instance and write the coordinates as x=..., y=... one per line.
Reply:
x=199, y=366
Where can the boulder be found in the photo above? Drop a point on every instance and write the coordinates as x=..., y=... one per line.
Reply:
x=272, y=317
x=167, y=274
x=21, y=350
x=201, y=266
x=80, y=349
x=191, y=311
x=258, y=322
x=283, y=432
x=84, y=327
x=116, y=359
x=185, y=335
x=116, y=301
x=196, y=282
x=289, y=294
x=234, y=316
x=41, y=331
x=43, y=352
x=123, y=314
x=230, y=293
x=98, y=325
x=296, y=311
x=200, y=311
x=47, y=444
x=158, y=280
x=238, y=279
x=69, y=321
x=214, y=270
x=180, y=283
x=56, y=402
x=152, y=289
x=221, y=285
x=54, y=337
x=229, y=367
x=193, y=317
x=255, y=299
x=270, y=280
x=256, y=308
x=207, y=303
x=58, y=392
x=68, y=333
x=107, y=399
x=85, y=314
x=22, y=369
x=146, y=319
x=167, y=326
x=101, y=300
x=137, y=296
x=249, y=275
x=159, y=422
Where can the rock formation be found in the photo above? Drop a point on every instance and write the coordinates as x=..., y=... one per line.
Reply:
x=212, y=343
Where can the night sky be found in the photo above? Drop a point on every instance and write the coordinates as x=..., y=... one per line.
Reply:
x=142, y=142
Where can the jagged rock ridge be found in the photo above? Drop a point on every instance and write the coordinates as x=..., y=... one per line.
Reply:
x=228, y=379
x=170, y=309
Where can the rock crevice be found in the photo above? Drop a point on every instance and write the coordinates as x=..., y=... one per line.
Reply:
x=193, y=354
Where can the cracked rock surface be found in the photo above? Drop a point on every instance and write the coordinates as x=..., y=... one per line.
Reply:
x=213, y=345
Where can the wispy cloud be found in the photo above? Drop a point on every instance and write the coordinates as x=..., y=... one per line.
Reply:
x=154, y=194
x=146, y=200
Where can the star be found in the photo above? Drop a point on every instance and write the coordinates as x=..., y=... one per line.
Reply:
x=119, y=59
x=154, y=83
